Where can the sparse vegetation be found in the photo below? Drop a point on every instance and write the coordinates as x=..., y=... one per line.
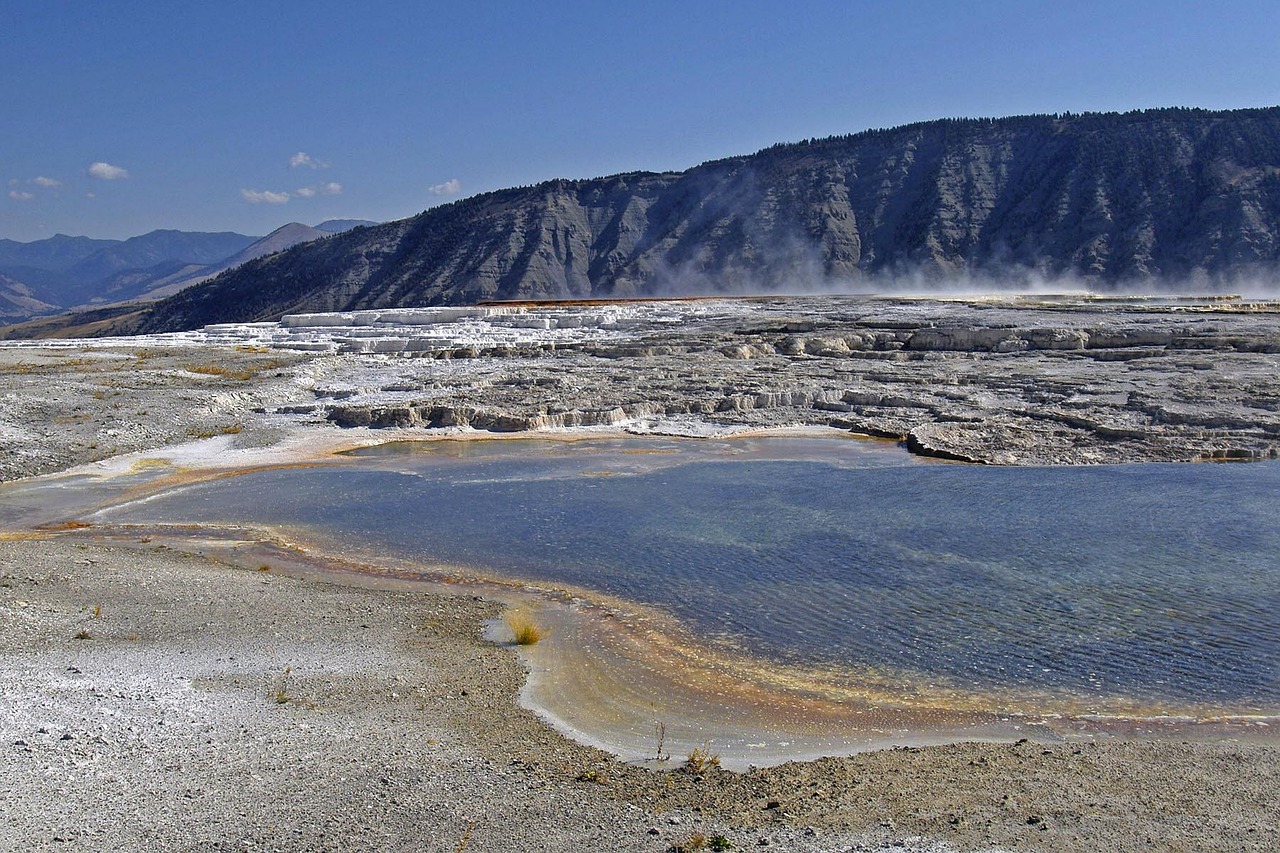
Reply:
x=242, y=374
x=702, y=759
x=264, y=568
x=466, y=838
x=82, y=634
x=227, y=429
x=65, y=525
x=699, y=840
x=594, y=775
x=696, y=841
x=282, y=696
x=524, y=630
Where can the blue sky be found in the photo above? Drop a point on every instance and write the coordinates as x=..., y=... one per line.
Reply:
x=123, y=117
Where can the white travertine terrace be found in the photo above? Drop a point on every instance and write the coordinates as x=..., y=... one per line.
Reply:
x=424, y=330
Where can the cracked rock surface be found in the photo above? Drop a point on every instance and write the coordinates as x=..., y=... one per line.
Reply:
x=1016, y=381
x=1010, y=380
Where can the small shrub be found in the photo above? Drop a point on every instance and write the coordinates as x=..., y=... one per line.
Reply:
x=524, y=630
x=719, y=842
x=82, y=634
x=696, y=841
x=594, y=775
x=701, y=759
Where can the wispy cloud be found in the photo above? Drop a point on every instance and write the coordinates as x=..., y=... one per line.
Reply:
x=50, y=183
x=302, y=158
x=107, y=172
x=21, y=195
x=331, y=188
x=264, y=197
x=449, y=187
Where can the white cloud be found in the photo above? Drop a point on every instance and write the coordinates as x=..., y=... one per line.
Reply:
x=450, y=187
x=331, y=188
x=19, y=195
x=302, y=158
x=107, y=172
x=42, y=181
x=264, y=197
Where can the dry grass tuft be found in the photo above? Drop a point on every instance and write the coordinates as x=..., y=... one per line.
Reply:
x=696, y=841
x=524, y=630
x=243, y=374
x=702, y=759
x=699, y=840
x=228, y=429
x=65, y=525
x=282, y=696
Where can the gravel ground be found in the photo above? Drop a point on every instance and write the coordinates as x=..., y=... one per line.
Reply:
x=151, y=699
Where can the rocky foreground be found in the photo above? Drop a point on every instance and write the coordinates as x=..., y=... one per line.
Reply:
x=151, y=700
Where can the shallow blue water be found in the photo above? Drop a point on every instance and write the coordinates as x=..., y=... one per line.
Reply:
x=1154, y=582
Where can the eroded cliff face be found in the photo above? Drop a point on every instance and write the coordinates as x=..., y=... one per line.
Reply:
x=1117, y=200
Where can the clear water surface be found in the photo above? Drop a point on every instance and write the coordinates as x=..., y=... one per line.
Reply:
x=1154, y=582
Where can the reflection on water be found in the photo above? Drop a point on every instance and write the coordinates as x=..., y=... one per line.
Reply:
x=1155, y=582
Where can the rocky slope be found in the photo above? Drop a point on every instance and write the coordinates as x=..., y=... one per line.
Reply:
x=1139, y=198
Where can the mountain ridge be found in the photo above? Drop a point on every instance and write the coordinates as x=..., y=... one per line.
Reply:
x=1111, y=200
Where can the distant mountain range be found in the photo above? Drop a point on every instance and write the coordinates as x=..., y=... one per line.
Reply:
x=62, y=272
x=1149, y=199
x=18, y=303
